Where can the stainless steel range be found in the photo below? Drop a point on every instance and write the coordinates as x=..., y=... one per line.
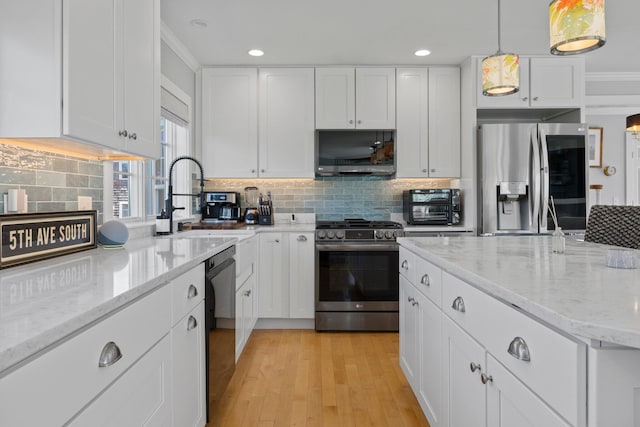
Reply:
x=357, y=275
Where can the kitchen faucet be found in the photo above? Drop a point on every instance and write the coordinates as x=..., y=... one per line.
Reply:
x=169, y=202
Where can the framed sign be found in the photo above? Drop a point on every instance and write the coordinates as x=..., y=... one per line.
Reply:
x=595, y=147
x=33, y=237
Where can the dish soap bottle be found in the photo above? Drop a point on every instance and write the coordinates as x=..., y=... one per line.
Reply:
x=557, y=241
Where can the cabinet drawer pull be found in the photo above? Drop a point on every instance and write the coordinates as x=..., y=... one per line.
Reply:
x=519, y=349
x=110, y=354
x=405, y=265
x=458, y=305
x=475, y=367
x=192, y=292
x=486, y=378
x=192, y=323
x=302, y=238
x=425, y=280
x=247, y=293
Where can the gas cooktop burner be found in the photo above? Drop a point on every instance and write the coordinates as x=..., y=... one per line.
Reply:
x=357, y=223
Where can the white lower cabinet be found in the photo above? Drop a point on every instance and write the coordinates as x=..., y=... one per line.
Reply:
x=188, y=369
x=286, y=288
x=245, y=313
x=463, y=390
x=421, y=349
x=273, y=293
x=141, y=397
x=246, y=279
x=511, y=403
x=301, y=275
x=153, y=373
x=499, y=367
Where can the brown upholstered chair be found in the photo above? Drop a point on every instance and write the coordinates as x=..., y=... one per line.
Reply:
x=614, y=225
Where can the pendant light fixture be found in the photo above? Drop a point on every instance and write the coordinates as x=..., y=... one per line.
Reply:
x=576, y=26
x=500, y=71
x=633, y=125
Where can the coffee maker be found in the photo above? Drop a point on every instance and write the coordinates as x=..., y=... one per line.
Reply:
x=221, y=206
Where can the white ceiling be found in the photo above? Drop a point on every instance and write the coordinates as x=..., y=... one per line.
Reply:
x=306, y=32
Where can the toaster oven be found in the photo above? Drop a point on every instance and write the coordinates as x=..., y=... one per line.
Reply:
x=432, y=206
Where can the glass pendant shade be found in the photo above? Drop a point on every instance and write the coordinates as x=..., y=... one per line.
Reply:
x=576, y=26
x=500, y=74
x=633, y=123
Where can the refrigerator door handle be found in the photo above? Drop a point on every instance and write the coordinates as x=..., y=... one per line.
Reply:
x=544, y=172
x=535, y=182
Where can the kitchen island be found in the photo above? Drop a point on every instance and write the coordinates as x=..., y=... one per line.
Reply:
x=542, y=338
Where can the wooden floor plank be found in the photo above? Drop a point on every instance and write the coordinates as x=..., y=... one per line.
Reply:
x=305, y=378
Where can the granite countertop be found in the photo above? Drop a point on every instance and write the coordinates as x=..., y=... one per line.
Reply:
x=47, y=301
x=575, y=292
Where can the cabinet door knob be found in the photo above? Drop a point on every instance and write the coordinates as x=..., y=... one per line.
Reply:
x=253, y=171
x=535, y=98
x=192, y=292
x=110, y=354
x=261, y=170
x=425, y=280
x=519, y=349
x=350, y=122
x=123, y=133
x=277, y=240
x=424, y=170
x=133, y=136
x=475, y=367
x=433, y=170
x=247, y=293
x=192, y=323
x=410, y=299
x=414, y=303
x=486, y=378
x=525, y=99
x=302, y=238
x=458, y=305
x=405, y=265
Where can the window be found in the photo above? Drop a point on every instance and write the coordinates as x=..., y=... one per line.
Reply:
x=140, y=188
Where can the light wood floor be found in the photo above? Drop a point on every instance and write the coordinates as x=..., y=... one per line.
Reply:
x=298, y=378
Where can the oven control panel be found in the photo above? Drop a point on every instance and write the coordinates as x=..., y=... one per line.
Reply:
x=358, y=235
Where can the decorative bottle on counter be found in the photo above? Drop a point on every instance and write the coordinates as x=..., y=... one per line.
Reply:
x=557, y=241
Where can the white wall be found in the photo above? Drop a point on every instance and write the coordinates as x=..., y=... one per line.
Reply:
x=613, y=154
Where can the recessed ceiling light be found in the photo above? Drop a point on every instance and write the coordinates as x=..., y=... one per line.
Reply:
x=422, y=52
x=199, y=23
x=255, y=52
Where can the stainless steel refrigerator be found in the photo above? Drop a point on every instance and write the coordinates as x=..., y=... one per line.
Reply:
x=520, y=166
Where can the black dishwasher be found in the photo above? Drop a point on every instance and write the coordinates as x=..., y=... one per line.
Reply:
x=220, y=324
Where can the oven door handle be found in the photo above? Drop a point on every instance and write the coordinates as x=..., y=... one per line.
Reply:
x=342, y=247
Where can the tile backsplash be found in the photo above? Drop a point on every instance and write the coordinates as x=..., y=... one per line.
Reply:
x=333, y=198
x=52, y=182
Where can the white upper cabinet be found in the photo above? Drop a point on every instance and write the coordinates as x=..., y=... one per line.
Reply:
x=88, y=73
x=360, y=98
x=246, y=138
x=230, y=122
x=286, y=132
x=428, y=122
x=544, y=82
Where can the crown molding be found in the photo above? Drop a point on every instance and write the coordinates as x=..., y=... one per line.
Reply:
x=179, y=48
x=611, y=76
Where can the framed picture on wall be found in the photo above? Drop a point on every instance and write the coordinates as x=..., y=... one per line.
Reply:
x=594, y=145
